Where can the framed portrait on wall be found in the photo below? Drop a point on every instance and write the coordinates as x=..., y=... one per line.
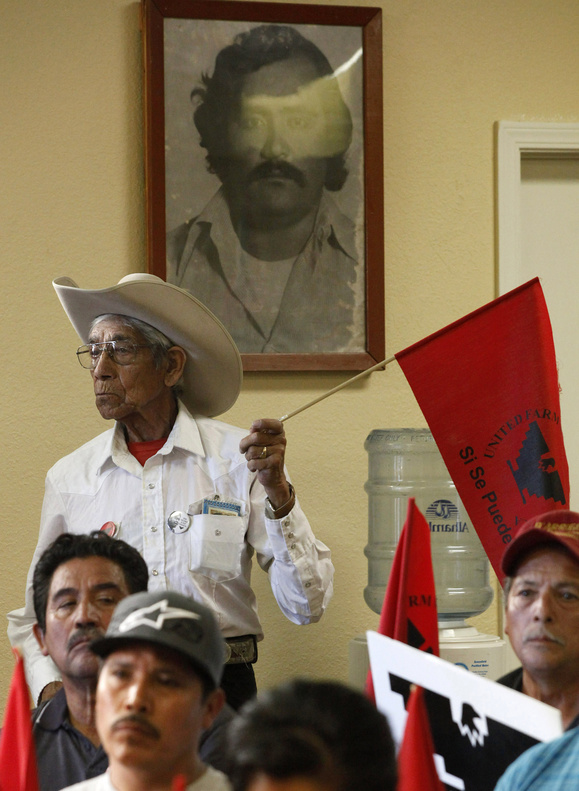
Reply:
x=264, y=182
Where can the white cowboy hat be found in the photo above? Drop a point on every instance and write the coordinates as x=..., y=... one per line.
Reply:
x=213, y=371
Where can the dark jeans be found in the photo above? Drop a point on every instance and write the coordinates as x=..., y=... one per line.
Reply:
x=239, y=684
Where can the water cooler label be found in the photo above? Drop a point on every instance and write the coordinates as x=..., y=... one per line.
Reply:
x=443, y=517
x=480, y=667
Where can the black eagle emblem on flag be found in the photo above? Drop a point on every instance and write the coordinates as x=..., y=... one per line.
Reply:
x=536, y=471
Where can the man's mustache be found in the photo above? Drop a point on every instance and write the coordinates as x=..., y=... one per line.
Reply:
x=543, y=633
x=280, y=169
x=82, y=634
x=142, y=723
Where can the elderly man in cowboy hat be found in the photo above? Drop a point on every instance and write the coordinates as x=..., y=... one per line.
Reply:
x=172, y=481
x=542, y=611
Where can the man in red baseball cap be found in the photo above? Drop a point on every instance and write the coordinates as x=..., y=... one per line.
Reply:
x=542, y=610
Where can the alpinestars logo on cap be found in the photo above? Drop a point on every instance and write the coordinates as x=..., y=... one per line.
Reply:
x=537, y=473
x=155, y=616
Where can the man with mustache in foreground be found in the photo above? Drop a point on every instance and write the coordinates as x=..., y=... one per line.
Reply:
x=271, y=255
x=542, y=611
x=158, y=689
x=78, y=581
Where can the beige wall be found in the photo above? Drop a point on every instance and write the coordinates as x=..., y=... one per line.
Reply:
x=71, y=203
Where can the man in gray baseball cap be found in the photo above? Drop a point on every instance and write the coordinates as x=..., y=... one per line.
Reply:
x=158, y=689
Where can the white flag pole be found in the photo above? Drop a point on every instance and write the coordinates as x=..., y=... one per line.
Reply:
x=383, y=364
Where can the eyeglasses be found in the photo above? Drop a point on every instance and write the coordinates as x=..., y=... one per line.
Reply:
x=120, y=352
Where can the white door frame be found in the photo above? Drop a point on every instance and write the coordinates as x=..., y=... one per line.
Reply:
x=516, y=140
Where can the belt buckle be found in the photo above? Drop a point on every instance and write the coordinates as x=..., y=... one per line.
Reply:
x=241, y=650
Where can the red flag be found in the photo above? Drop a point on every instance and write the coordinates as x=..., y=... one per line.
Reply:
x=17, y=755
x=409, y=609
x=416, y=768
x=487, y=385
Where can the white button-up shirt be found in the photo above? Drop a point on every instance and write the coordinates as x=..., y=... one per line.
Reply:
x=211, y=560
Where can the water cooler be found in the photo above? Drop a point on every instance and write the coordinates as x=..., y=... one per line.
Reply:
x=405, y=463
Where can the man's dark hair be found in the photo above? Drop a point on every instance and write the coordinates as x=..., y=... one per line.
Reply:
x=70, y=546
x=220, y=94
x=322, y=730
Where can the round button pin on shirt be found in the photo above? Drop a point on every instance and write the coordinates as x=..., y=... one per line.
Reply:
x=111, y=529
x=179, y=522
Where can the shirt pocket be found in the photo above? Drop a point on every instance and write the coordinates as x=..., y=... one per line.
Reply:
x=215, y=546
